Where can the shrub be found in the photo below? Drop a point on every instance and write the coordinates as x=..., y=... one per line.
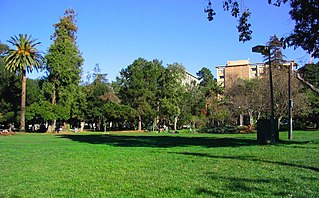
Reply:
x=221, y=129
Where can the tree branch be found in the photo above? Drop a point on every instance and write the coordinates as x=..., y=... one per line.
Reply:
x=313, y=88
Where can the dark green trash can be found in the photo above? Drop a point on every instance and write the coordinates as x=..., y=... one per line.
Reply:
x=264, y=131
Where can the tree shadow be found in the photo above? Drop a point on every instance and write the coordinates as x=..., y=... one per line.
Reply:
x=244, y=185
x=159, y=141
x=247, y=158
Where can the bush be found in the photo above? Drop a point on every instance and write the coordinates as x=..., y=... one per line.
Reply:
x=228, y=129
x=221, y=129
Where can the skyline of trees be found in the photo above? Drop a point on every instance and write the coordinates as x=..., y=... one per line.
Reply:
x=145, y=95
x=103, y=103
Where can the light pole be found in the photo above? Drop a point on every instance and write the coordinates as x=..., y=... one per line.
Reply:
x=265, y=50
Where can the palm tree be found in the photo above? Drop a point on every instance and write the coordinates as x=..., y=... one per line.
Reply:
x=22, y=59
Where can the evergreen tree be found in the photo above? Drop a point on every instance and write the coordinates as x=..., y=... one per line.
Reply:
x=214, y=108
x=63, y=64
x=138, y=87
x=97, y=94
x=276, y=55
x=10, y=90
x=172, y=92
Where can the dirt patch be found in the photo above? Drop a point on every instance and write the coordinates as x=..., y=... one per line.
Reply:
x=5, y=133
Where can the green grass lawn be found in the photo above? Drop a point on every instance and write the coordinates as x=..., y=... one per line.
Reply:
x=158, y=165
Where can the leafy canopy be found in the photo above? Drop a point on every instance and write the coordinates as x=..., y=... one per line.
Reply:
x=25, y=56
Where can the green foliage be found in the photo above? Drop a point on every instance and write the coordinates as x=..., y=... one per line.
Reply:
x=63, y=63
x=25, y=56
x=66, y=28
x=211, y=105
x=118, y=112
x=306, y=32
x=172, y=92
x=34, y=91
x=220, y=129
x=97, y=94
x=139, y=87
x=4, y=49
x=244, y=27
x=208, y=84
x=310, y=73
x=40, y=112
x=10, y=92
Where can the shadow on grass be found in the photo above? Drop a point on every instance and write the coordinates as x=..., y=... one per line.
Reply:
x=236, y=185
x=244, y=158
x=160, y=141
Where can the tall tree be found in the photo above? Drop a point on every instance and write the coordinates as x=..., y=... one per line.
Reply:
x=10, y=90
x=63, y=63
x=191, y=105
x=208, y=84
x=213, y=105
x=154, y=74
x=172, y=92
x=277, y=58
x=23, y=58
x=97, y=93
x=137, y=88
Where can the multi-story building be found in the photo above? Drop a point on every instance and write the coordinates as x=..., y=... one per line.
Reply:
x=189, y=79
x=233, y=70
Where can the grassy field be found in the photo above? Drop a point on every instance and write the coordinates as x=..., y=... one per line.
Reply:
x=158, y=165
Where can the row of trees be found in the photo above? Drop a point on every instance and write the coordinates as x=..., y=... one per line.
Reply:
x=145, y=94
x=145, y=90
x=63, y=65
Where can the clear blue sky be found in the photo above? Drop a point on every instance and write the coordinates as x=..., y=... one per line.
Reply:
x=113, y=33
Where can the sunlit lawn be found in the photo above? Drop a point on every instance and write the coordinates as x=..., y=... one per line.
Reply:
x=158, y=165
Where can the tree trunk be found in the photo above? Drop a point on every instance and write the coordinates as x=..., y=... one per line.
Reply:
x=82, y=126
x=139, y=123
x=241, y=119
x=53, y=103
x=23, y=98
x=258, y=115
x=99, y=124
x=278, y=122
x=175, y=123
x=251, y=118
